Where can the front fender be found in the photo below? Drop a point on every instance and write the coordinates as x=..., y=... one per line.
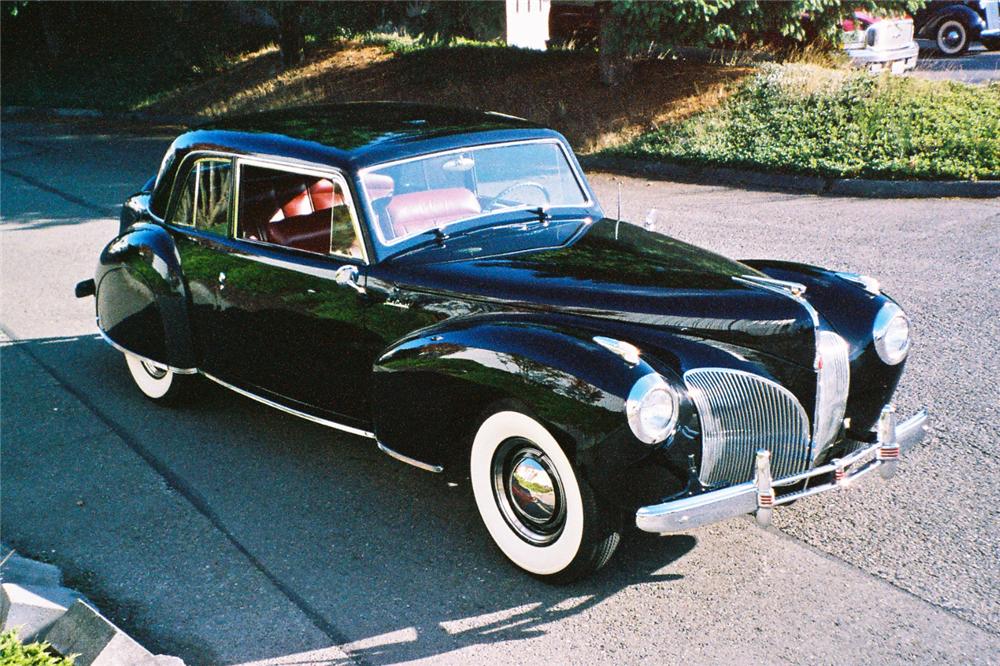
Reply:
x=849, y=310
x=431, y=390
x=142, y=301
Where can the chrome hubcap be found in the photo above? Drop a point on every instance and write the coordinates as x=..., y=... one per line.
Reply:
x=952, y=38
x=154, y=371
x=528, y=491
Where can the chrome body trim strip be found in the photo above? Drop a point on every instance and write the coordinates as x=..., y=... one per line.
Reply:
x=758, y=496
x=290, y=410
x=792, y=290
x=833, y=384
x=176, y=371
x=437, y=469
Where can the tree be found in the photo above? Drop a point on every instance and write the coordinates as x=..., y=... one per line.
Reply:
x=629, y=27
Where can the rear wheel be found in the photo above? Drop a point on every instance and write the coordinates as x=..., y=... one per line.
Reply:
x=952, y=37
x=157, y=382
x=544, y=518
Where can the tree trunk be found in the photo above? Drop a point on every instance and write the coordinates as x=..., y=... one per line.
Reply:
x=291, y=39
x=613, y=64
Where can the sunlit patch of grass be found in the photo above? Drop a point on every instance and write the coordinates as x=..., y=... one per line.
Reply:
x=803, y=118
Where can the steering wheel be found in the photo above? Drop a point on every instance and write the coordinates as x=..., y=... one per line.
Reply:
x=510, y=188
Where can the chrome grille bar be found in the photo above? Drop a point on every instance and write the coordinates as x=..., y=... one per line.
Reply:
x=742, y=413
x=833, y=381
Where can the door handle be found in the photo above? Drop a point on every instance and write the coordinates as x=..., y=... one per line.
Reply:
x=348, y=277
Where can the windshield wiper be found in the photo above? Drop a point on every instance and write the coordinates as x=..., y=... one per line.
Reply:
x=539, y=215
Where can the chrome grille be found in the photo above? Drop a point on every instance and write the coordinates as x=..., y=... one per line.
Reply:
x=833, y=381
x=740, y=413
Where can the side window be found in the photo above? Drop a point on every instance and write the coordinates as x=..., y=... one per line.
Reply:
x=297, y=210
x=204, y=201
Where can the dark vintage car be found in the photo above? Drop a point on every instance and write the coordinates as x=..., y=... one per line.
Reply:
x=445, y=284
x=955, y=24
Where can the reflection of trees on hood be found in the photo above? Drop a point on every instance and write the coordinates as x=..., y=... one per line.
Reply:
x=638, y=257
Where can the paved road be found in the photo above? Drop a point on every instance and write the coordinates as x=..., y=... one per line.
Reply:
x=228, y=533
x=976, y=66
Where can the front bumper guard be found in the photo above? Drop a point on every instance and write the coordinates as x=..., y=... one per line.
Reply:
x=758, y=496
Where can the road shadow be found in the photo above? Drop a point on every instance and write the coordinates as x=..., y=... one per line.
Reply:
x=394, y=562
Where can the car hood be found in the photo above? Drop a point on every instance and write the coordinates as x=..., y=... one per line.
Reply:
x=625, y=273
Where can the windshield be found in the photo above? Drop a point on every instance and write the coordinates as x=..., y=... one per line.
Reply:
x=439, y=190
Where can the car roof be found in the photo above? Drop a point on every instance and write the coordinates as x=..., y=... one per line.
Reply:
x=358, y=134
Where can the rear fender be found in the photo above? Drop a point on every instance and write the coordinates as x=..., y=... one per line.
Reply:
x=142, y=302
x=431, y=389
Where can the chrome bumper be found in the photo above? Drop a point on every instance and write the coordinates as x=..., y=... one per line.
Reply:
x=868, y=56
x=758, y=496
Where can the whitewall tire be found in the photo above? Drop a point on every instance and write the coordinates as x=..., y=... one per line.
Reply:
x=952, y=37
x=539, y=514
x=155, y=381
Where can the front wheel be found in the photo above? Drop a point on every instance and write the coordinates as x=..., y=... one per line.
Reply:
x=952, y=37
x=544, y=519
x=156, y=382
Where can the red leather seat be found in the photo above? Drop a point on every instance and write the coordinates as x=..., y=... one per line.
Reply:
x=379, y=186
x=419, y=211
x=303, y=222
x=304, y=232
x=320, y=195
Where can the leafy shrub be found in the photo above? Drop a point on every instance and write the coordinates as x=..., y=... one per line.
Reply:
x=15, y=653
x=801, y=118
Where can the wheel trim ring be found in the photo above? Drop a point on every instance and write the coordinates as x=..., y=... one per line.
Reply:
x=951, y=37
x=507, y=457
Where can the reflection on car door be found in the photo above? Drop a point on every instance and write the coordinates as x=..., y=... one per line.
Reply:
x=282, y=327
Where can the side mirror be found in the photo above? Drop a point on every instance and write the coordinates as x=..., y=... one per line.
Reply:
x=348, y=276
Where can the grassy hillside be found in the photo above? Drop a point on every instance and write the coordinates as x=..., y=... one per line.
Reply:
x=840, y=123
x=558, y=88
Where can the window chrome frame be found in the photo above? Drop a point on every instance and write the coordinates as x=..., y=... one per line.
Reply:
x=336, y=175
x=581, y=182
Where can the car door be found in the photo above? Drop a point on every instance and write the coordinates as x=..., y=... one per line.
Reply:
x=199, y=219
x=289, y=319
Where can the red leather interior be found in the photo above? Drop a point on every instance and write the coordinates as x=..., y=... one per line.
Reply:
x=379, y=186
x=288, y=209
x=418, y=211
x=304, y=220
x=305, y=232
x=323, y=195
x=318, y=196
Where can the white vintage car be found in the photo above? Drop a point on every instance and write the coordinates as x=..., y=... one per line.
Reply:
x=879, y=44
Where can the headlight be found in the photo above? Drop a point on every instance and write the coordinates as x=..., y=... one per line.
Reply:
x=652, y=409
x=891, y=333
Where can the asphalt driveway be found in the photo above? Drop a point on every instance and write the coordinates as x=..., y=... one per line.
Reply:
x=976, y=66
x=225, y=532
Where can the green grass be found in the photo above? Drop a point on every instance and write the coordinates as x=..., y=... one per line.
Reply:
x=806, y=119
x=15, y=653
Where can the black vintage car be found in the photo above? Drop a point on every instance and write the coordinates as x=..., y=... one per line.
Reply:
x=955, y=24
x=445, y=284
